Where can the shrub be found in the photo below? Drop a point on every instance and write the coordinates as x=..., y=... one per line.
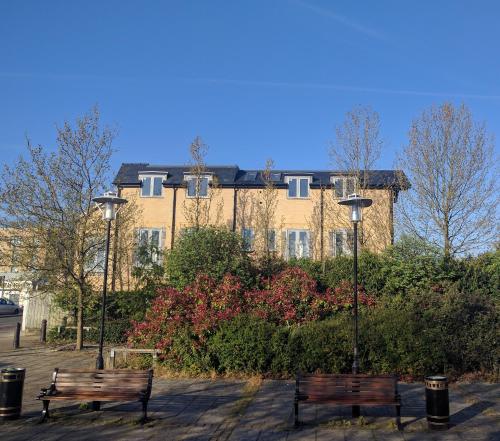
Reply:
x=115, y=332
x=242, y=345
x=293, y=298
x=130, y=305
x=212, y=251
x=430, y=332
x=324, y=346
x=201, y=307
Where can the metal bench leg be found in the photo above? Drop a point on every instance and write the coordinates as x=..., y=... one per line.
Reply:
x=144, y=412
x=398, y=417
x=45, y=411
x=296, y=408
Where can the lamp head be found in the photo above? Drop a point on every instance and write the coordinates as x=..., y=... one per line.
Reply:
x=108, y=204
x=356, y=204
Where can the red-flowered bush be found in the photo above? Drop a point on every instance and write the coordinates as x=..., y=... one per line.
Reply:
x=200, y=306
x=292, y=297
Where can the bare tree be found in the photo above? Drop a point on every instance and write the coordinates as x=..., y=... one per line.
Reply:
x=450, y=163
x=321, y=220
x=354, y=153
x=46, y=201
x=266, y=204
x=357, y=145
x=125, y=246
x=198, y=209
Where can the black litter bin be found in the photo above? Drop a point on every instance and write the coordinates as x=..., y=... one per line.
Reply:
x=437, y=401
x=11, y=392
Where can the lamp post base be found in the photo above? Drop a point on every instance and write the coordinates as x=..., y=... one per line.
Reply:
x=99, y=362
x=356, y=410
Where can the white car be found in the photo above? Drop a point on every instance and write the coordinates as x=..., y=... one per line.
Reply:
x=9, y=307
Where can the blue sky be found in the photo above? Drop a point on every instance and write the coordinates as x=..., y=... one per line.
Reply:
x=255, y=79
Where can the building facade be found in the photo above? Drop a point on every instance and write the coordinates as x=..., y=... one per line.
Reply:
x=293, y=213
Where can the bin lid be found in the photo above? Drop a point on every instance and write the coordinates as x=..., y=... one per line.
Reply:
x=436, y=378
x=11, y=370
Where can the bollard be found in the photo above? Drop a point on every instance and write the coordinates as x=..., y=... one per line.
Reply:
x=43, y=331
x=17, y=335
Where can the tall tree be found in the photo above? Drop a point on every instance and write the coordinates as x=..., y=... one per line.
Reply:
x=354, y=153
x=357, y=144
x=205, y=192
x=450, y=163
x=46, y=201
x=266, y=203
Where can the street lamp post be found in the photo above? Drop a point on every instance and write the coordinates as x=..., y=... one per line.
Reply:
x=356, y=204
x=108, y=205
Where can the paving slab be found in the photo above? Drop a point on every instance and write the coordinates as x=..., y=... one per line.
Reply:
x=221, y=410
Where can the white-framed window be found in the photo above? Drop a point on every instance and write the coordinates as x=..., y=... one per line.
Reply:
x=151, y=185
x=298, y=243
x=343, y=186
x=298, y=186
x=151, y=240
x=341, y=242
x=248, y=238
x=197, y=186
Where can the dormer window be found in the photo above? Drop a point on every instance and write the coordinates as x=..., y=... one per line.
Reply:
x=343, y=186
x=197, y=186
x=298, y=186
x=151, y=185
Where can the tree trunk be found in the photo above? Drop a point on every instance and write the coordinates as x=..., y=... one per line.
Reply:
x=79, y=322
x=446, y=234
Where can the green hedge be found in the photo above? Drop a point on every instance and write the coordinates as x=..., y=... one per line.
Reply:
x=417, y=334
x=115, y=331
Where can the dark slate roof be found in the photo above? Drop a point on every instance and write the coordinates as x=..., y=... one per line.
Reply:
x=232, y=175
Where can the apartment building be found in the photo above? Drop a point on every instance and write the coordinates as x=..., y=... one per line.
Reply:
x=300, y=207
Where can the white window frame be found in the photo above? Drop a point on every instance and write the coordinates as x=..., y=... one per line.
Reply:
x=202, y=176
x=346, y=250
x=297, y=243
x=152, y=176
x=344, y=179
x=158, y=256
x=298, y=178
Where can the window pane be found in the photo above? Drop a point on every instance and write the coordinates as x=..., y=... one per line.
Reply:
x=247, y=234
x=291, y=244
x=157, y=186
x=350, y=241
x=339, y=243
x=191, y=188
x=304, y=188
x=143, y=238
x=146, y=187
x=271, y=240
x=155, y=238
x=339, y=188
x=203, y=186
x=350, y=186
x=292, y=188
x=303, y=244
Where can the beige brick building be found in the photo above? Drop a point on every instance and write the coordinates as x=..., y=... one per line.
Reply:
x=304, y=220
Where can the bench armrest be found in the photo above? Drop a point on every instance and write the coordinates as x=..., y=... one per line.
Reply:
x=47, y=391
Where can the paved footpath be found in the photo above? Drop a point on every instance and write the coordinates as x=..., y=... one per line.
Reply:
x=235, y=410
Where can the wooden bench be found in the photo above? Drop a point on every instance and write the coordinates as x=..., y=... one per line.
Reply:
x=348, y=389
x=98, y=385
